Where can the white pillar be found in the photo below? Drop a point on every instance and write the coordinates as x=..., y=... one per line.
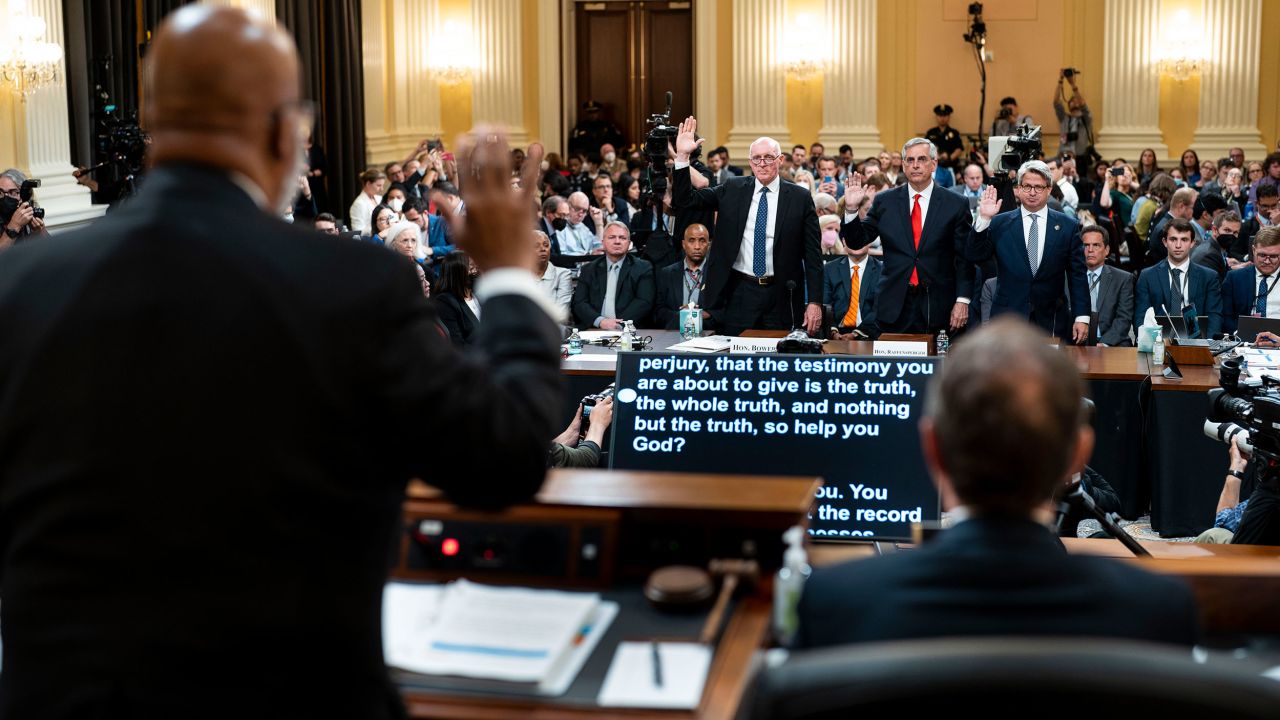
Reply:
x=1130, y=83
x=1229, y=81
x=705, y=68
x=373, y=39
x=759, y=81
x=550, y=121
x=497, y=96
x=401, y=97
x=45, y=152
x=849, y=87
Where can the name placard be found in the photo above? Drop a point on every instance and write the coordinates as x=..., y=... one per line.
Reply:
x=900, y=348
x=753, y=345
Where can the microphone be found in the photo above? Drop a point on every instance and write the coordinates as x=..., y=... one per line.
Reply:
x=791, y=302
x=1172, y=327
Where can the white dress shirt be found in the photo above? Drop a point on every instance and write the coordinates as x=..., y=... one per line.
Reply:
x=862, y=278
x=747, y=248
x=1273, y=295
x=557, y=284
x=361, y=211
x=1185, y=267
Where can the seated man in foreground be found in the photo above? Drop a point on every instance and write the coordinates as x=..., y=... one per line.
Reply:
x=1002, y=432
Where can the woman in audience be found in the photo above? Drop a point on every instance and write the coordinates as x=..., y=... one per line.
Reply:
x=629, y=191
x=1190, y=166
x=395, y=200
x=1148, y=166
x=1253, y=172
x=1159, y=191
x=804, y=179
x=1233, y=188
x=832, y=246
x=1270, y=175
x=1116, y=201
x=382, y=219
x=456, y=304
x=1208, y=174
x=402, y=238
x=1178, y=175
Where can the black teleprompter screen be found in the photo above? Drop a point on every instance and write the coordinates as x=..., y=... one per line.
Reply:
x=850, y=419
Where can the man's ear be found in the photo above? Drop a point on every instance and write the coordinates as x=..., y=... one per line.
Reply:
x=937, y=467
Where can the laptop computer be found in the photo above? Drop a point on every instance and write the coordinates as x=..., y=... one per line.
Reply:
x=1179, y=328
x=1249, y=327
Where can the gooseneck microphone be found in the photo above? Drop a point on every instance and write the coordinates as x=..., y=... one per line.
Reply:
x=791, y=302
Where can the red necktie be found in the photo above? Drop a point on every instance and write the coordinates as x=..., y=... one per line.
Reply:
x=917, y=225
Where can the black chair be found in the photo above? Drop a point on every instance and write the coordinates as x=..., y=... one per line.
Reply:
x=1007, y=677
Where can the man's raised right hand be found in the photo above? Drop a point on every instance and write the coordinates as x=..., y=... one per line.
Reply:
x=687, y=140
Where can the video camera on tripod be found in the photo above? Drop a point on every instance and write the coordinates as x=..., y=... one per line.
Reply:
x=1251, y=407
x=1008, y=152
x=653, y=181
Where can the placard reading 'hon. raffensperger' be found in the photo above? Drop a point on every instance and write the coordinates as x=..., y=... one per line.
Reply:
x=851, y=420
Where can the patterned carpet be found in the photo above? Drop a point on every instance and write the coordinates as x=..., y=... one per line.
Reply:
x=1140, y=529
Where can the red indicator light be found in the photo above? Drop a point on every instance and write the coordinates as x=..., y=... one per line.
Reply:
x=449, y=547
x=488, y=554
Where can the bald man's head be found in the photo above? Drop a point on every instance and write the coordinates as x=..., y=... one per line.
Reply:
x=223, y=90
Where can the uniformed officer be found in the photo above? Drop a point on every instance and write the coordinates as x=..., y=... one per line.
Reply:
x=591, y=132
x=945, y=138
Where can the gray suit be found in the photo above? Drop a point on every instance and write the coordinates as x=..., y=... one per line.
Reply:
x=1115, y=307
x=959, y=190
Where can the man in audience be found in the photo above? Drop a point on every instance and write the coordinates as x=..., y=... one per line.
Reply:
x=846, y=161
x=827, y=178
x=723, y=152
x=572, y=448
x=850, y=289
x=602, y=197
x=719, y=172
x=1110, y=291
x=554, y=220
x=616, y=287
x=799, y=158
x=1003, y=431
x=554, y=282
x=1266, y=212
x=1251, y=290
x=680, y=283
x=326, y=223
x=973, y=181
x=578, y=238
x=1215, y=252
x=1070, y=198
x=1037, y=253
x=1009, y=118
x=433, y=235
x=768, y=260
x=926, y=283
x=1176, y=283
x=1181, y=207
x=196, y=522
x=371, y=184
x=1237, y=156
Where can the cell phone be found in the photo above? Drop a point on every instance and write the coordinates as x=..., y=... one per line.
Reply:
x=448, y=156
x=1117, y=171
x=828, y=179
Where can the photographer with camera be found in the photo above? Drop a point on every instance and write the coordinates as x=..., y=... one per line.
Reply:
x=574, y=448
x=20, y=216
x=1075, y=123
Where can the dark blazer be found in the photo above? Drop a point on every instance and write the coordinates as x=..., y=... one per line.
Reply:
x=545, y=227
x=1038, y=298
x=941, y=259
x=671, y=280
x=1203, y=289
x=206, y=444
x=633, y=299
x=1239, y=295
x=659, y=248
x=1115, y=307
x=836, y=285
x=457, y=318
x=991, y=577
x=797, y=249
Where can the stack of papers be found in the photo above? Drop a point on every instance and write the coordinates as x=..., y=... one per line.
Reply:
x=539, y=637
x=1261, y=361
x=712, y=344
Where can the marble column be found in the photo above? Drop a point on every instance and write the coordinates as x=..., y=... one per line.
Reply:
x=705, y=67
x=1229, y=81
x=42, y=137
x=1130, y=118
x=496, y=91
x=849, y=87
x=550, y=121
x=759, y=80
x=401, y=97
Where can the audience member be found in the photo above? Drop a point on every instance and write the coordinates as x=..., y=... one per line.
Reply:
x=579, y=238
x=1251, y=290
x=326, y=223
x=1148, y=166
x=1269, y=177
x=1002, y=433
x=455, y=299
x=1176, y=283
x=1181, y=207
x=402, y=238
x=1190, y=167
x=973, y=181
x=433, y=238
x=681, y=283
x=554, y=220
x=615, y=287
x=372, y=182
x=554, y=282
x=572, y=449
x=849, y=288
x=1110, y=291
x=602, y=198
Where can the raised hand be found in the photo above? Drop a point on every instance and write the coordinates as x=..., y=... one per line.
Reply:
x=686, y=140
x=989, y=203
x=854, y=191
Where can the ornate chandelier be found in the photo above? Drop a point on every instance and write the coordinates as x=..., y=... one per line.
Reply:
x=27, y=63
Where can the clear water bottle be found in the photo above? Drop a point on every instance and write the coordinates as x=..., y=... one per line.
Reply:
x=943, y=343
x=627, y=341
x=690, y=322
x=575, y=343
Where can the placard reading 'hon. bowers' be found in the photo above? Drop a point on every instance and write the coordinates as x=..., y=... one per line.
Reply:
x=851, y=420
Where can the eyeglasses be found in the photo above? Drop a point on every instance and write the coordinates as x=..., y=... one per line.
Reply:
x=761, y=160
x=1034, y=188
x=12, y=193
x=1266, y=257
x=577, y=211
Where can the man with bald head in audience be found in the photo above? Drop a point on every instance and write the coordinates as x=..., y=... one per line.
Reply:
x=681, y=283
x=209, y=416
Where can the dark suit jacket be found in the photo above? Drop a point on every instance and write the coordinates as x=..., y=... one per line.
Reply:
x=1239, y=295
x=671, y=281
x=659, y=248
x=991, y=577
x=836, y=285
x=1203, y=290
x=1038, y=298
x=207, y=434
x=633, y=299
x=941, y=259
x=545, y=227
x=457, y=318
x=797, y=249
x=1115, y=307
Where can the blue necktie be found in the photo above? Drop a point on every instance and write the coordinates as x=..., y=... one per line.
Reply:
x=762, y=220
x=1260, y=305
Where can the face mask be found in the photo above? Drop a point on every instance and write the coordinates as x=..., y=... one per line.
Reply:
x=544, y=165
x=1225, y=240
x=829, y=238
x=610, y=157
x=397, y=204
x=559, y=224
x=8, y=206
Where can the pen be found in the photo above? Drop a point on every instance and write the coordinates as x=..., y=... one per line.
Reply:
x=657, y=665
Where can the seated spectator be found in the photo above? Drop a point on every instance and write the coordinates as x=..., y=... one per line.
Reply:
x=1216, y=254
x=433, y=242
x=555, y=282
x=832, y=246
x=629, y=194
x=1148, y=166
x=1269, y=177
x=402, y=238
x=849, y=288
x=1251, y=290
x=1175, y=282
x=395, y=198
x=828, y=177
x=371, y=182
x=681, y=283
x=1159, y=191
x=1190, y=167
x=1110, y=291
x=1002, y=433
x=572, y=448
x=602, y=198
x=804, y=179
x=455, y=301
x=327, y=224
x=380, y=221
x=579, y=238
x=615, y=287
x=1232, y=189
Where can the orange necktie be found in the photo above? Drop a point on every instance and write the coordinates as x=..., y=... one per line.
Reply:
x=855, y=289
x=917, y=226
